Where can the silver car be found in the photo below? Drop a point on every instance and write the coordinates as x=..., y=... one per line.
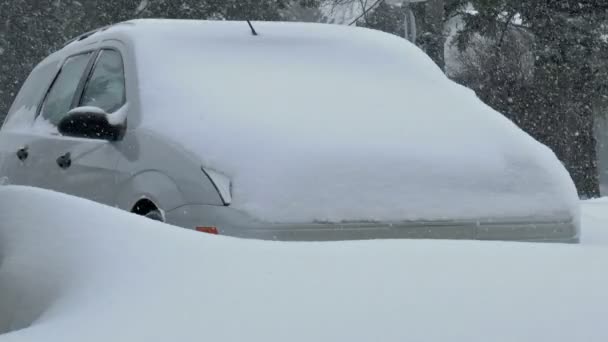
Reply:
x=76, y=127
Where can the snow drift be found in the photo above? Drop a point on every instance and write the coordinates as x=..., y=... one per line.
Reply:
x=329, y=123
x=73, y=270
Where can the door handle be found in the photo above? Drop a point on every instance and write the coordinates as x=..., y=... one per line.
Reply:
x=23, y=153
x=65, y=161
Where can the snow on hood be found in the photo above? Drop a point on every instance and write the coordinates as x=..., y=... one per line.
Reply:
x=332, y=123
x=80, y=271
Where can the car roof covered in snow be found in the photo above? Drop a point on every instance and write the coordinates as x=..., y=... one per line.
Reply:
x=285, y=34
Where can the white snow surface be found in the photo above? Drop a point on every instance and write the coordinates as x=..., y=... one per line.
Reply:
x=332, y=123
x=74, y=270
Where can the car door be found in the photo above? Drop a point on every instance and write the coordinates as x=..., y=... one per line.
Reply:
x=17, y=136
x=57, y=102
x=86, y=167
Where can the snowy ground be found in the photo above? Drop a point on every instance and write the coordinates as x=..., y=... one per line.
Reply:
x=71, y=270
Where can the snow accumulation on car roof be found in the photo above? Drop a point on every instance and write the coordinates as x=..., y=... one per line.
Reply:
x=330, y=123
x=80, y=271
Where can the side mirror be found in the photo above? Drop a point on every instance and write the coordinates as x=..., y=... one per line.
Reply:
x=94, y=123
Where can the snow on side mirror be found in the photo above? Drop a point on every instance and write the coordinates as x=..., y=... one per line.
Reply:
x=93, y=123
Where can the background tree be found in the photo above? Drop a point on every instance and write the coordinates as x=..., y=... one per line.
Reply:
x=538, y=64
x=431, y=18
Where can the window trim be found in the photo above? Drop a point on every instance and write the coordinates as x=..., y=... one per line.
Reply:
x=87, y=70
x=84, y=79
x=77, y=101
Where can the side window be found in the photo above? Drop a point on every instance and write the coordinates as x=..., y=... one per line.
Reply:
x=59, y=99
x=25, y=107
x=106, y=87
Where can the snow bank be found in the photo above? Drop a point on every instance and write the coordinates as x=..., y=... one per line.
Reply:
x=595, y=216
x=73, y=270
x=331, y=123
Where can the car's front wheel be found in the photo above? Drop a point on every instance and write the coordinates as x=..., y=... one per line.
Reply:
x=154, y=215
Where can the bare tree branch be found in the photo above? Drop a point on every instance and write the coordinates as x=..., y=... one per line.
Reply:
x=365, y=11
x=505, y=29
x=142, y=7
x=364, y=6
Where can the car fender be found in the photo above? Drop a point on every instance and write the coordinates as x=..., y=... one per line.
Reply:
x=152, y=185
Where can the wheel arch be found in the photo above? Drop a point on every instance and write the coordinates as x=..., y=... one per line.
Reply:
x=152, y=188
x=144, y=206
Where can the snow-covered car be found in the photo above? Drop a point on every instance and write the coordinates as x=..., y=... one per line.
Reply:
x=280, y=131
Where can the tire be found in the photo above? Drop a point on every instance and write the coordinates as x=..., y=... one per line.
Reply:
x=155, y=215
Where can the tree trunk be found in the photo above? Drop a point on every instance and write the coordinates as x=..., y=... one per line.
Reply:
x=435, y=15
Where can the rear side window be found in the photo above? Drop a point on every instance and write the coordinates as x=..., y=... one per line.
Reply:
x=106, y=87
x=59, y=98
x=26, y=103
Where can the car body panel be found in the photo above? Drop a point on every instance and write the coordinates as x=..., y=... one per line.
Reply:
x=92, y=173
x=151, y=185
x=230, y=221
x=145, y=156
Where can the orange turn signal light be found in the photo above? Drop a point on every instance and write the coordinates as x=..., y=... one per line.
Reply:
x=208, y=230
